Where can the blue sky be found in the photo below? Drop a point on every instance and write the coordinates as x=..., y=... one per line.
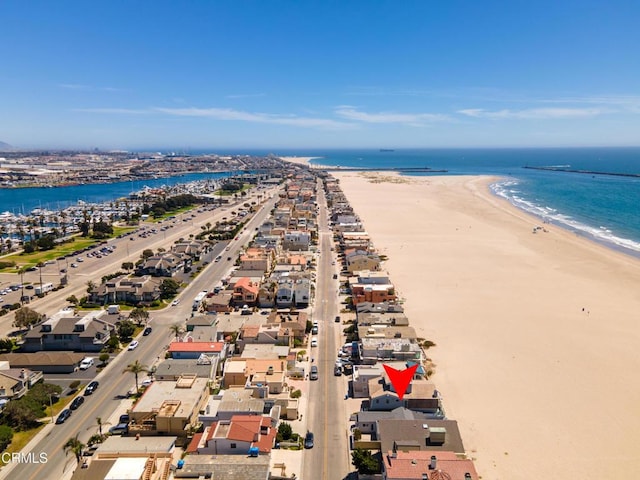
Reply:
x=319, y=74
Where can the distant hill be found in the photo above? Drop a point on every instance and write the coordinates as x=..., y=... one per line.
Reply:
x=5, y=147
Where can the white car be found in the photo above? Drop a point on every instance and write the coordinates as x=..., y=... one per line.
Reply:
x=74, y=265
x=314, y=342
x=133, y=345
x=175, y=302
x=86, y=363
x=146, y=382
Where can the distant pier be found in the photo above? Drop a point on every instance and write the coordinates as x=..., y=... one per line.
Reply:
x=380, y=169
x=588, y=172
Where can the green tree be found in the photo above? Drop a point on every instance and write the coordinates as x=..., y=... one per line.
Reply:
x=73, y=300
x=6, y=345
x=6, y=435
x=104, y=358
x=285, y=430
x=168, y=288
x=126, y=329
x=146, y=253
x=364, y=461
x=46, y=243
x=127, y=266
x=74, y=446
x=113, y=343
x=136, y=368
x=102, y=229
x=73, y=386
x=26, y=317
x=139, y=315
x=176, y=329
x=90, y=286
x=19, y=415
x=99, y=424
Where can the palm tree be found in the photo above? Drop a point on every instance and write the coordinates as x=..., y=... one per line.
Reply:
x=136, y=368
x=99, y=423
x=176, y=329
x=75, y=446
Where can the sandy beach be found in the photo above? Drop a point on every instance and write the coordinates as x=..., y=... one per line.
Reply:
x=299, y=160
x=538, y=345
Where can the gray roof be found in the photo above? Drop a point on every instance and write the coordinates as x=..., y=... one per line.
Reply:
x=390, y=431
x=172, y=369
x=144, y=445
x=399, y=413
x=238, y=467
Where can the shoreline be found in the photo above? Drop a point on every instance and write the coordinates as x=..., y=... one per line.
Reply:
x=529, y=327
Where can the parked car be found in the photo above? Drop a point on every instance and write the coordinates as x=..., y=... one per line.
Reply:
x=86, y=363
x=76, y=402
x=124, y=418
x=119, y=429
x=313, y=373
x=92, y=387
x=314, y=342
x=175, y=302
x=133, y=345
x=308, y=440
x=64, y=414
x=337, y=319
x=147, y=331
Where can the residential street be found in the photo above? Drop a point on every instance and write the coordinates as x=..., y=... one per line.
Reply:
x=330, y=458
x=114, y=383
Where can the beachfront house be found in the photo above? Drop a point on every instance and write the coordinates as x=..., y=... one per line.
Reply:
x=418, y=465
x=358, y=260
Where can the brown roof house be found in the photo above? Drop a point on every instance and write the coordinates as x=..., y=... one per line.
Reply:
x=168, y=407
x=357, y=260
x=76, y=333
x=123, y=289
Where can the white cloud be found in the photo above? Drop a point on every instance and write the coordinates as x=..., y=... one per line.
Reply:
x=413, y=119
x=535, y=113
x=278, y=119
x=116, y=111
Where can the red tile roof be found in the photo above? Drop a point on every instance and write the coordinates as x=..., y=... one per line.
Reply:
x=193, y=445
x=209, y=347
x=412, y=465
x=247, y=428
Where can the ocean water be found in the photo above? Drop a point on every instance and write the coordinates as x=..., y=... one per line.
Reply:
x=603, y=208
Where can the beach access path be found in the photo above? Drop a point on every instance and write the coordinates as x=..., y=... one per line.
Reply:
x=538, y=345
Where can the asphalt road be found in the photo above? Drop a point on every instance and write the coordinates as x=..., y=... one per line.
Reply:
x=114, y=382
x=329, y=458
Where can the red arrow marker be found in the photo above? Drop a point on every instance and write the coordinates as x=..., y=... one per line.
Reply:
x=400, y=379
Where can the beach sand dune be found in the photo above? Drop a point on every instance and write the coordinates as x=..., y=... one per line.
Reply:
x=538, y=338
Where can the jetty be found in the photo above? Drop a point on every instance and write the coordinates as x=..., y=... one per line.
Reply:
x=588, y=172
